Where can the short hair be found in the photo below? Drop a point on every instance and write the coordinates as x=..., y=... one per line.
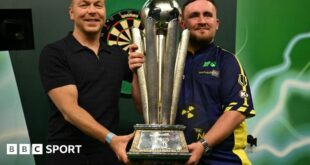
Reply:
x=190, y=1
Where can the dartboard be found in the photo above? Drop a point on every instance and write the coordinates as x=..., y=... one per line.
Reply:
x=118, y=32
x=118, y=28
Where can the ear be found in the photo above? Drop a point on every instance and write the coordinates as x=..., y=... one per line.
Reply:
x=181, y=22
x=217, y=24
x=71, y=13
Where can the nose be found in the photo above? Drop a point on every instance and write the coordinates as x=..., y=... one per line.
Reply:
x=92, y=9
x=202, y=20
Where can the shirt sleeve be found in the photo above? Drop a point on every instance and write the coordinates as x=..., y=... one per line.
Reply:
x=54, y=68
x=235, y=89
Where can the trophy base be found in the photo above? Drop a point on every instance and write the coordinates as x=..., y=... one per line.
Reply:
x=153, y=142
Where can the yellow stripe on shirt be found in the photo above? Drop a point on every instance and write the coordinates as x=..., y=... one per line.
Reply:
x=240, y=136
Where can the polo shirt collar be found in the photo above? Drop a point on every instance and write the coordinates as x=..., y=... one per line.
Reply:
x=202, y=49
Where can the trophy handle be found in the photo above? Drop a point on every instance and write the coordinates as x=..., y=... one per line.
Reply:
x=137, y=39
x=178, y=73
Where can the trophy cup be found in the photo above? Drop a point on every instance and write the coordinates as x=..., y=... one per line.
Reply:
x=160, y=80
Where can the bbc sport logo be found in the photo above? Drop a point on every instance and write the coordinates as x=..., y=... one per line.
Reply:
x=39, y=149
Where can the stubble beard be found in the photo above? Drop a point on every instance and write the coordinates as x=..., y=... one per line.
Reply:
x=200, y=42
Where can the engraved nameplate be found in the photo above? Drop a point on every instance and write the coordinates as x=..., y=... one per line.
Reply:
x=159, y=140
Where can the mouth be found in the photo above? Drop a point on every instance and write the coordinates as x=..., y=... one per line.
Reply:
x=201, y=28
x=202, y=31
x=92, y=20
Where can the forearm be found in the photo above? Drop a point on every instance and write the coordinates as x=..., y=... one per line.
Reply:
x=136, y=93
x=87, y=124
x=81, y=119
x=65, y=99
x=224, y=127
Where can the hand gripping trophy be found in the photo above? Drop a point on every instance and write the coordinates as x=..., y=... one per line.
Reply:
x=160, y=80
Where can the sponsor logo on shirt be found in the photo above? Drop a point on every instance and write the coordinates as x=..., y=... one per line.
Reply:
x=199, y=132
x=214, y=73
x=243, y=94
x=188, y=112
x=211, y=64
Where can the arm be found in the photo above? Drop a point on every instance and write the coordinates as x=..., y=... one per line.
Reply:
x=135, y=60
x=65, y=98
x=222, y=128
x=136, y=92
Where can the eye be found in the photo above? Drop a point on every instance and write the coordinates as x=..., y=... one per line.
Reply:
x=83, y=5
x=99, y=5
x=208, y=14
x=193, y=15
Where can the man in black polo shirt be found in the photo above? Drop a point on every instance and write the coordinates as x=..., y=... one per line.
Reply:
x=82, y=78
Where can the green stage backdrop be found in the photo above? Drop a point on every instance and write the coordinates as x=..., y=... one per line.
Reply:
x=13, y=127
x=273, y=42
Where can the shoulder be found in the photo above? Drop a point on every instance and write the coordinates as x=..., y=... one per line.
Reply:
x=54, y=53
x=226, y=57
x=230, y=63
x=225, y=54
x=54, y=46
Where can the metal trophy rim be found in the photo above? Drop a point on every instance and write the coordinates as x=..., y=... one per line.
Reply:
x=158, y=127
x=164, y=156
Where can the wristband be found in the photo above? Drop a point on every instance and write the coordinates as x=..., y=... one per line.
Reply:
x=109, y=137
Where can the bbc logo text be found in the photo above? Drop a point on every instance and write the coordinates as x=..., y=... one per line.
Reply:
x=39, y=149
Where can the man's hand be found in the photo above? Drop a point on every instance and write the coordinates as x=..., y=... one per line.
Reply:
x=196, y=149
x=135, y=58
x=118, y=145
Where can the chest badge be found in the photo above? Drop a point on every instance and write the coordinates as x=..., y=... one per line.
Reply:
x=188, y=112
x=211, y=64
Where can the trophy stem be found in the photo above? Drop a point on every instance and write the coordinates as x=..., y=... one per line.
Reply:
x=151, y=64
x=168, y=70
x=161, y=43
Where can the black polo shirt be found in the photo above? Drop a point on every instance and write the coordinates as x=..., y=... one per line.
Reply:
x=98, y=80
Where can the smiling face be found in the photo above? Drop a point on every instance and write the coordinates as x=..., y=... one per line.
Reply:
x=88, y=15
x=200, y=18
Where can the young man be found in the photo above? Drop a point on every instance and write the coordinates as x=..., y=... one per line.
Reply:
x=82, y=77
x=215, y=97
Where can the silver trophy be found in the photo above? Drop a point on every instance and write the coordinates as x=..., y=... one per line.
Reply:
x=160, y=80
